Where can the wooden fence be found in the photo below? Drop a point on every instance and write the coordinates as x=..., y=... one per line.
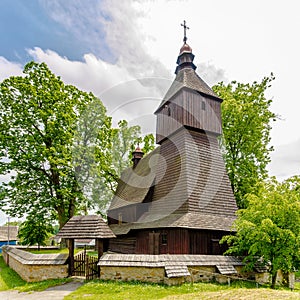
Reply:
x=85, y=266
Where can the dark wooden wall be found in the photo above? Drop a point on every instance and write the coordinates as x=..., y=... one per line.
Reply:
x=150, y=241
x=206, y=242
x=179, y=241
x=121, y=244
x=189, y=108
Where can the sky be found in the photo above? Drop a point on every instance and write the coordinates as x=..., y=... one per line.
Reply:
x=125, y=52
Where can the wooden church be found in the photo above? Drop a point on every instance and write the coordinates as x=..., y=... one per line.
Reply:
x=177, y=199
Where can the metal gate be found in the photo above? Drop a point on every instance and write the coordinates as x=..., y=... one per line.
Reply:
x=85, y=266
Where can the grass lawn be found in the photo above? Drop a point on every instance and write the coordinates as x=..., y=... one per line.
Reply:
x=52, y=251
x=110, y=290
x=9, y=279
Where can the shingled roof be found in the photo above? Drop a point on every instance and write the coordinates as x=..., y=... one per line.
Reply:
x=91, y=226
x=27, y=258
x=135, y=183
x=187, y=220
x=191, y=188
x=187, y=78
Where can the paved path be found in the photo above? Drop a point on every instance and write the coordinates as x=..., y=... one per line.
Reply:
x=53, y=293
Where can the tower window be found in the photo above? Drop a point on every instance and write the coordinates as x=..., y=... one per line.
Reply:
x=167, y=107
x=203, y=106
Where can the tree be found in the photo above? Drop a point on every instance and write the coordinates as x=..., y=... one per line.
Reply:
x=35, y=230
x=58, y=147
x=246, y=120
x=124, y=140
x=38, y=115
x=268, y=230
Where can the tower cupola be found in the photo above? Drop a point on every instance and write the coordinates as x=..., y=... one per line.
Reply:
x=137, y=156
x=186, y=57
x=189, y=102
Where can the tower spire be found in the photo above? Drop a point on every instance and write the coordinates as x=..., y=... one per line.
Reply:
x=184, y=31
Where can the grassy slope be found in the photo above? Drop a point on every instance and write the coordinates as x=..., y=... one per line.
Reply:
x=137, y=291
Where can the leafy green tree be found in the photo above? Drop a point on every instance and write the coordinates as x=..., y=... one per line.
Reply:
x=13, y=223
x=268, y=230
x=124, y=140
x=35, y=230
x=38, y=117
x=57, y=144
x=246, y=120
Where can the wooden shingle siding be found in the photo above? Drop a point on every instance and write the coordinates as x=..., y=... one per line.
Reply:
x=227, y=269
x=134, y=184
x=175, y=270
x=91, y=226
x=140, y=260
x=189, y=79
x=27, y=258
x=207, y=178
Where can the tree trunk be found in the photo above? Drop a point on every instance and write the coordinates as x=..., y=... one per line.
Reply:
x=274, y=278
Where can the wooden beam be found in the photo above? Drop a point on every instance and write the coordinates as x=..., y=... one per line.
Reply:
x=71, y=256
x=99, y=246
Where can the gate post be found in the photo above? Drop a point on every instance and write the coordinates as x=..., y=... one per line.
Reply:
x=99, y=246
x=71, y=256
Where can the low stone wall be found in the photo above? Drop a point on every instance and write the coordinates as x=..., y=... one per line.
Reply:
x=35, y=267
x=177, y=269
x=145, y=274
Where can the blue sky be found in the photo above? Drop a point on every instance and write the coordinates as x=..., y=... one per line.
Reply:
x=26, y=24
x=126, y=51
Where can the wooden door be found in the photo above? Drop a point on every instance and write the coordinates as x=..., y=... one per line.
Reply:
x=154, y=243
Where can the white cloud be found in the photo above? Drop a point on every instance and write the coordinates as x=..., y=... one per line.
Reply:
x=140, y=39
x=124, y=96
x=8, y=68
x=285, y=160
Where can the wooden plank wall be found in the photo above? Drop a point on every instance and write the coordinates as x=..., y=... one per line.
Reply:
x=191, y=109
x=206, y=242
x=177, y=241
x=124, y=245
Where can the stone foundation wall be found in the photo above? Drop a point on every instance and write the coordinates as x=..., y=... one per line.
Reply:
x=133, y=273
x=202, y=274
x=35, y=272
x=157, y=275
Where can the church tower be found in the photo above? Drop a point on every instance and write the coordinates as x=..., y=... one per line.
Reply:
x=178, y=198
x=189, y=102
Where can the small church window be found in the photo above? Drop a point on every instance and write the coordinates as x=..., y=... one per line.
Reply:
x=203, y=105
x=164, y=239
x=167, y=107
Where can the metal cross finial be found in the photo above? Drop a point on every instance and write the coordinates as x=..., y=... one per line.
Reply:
x=184, y=28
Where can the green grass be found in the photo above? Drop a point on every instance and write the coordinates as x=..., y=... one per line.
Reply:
x=111, y=290
x=52, y=251
x=44, y=251
x=9, y=279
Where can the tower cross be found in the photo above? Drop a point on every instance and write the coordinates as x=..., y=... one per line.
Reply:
x=184, y=30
